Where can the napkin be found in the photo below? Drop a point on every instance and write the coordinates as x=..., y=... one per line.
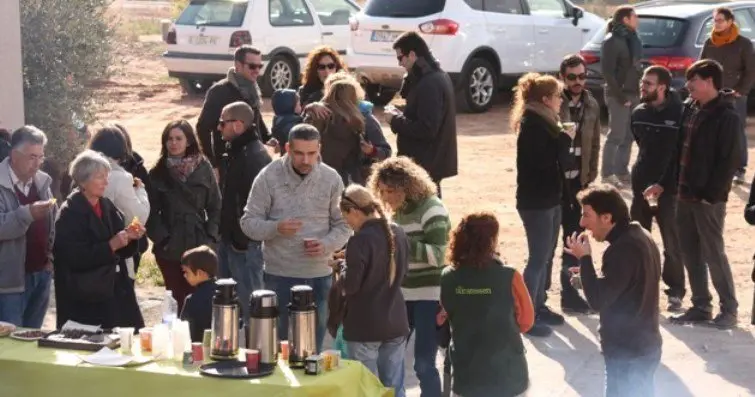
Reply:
x=110, y=358
x=73, y=325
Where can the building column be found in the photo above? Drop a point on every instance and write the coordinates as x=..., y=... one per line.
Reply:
x=11, y=71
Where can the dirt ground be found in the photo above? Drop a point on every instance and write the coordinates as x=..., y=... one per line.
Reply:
x=696, y=361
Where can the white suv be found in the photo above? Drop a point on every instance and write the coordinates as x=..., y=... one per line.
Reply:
x=482, y=44
x=203, y=39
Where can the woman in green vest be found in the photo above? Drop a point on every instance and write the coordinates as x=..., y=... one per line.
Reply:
x=488, y=306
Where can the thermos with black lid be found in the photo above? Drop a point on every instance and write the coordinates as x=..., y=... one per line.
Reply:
x=302, y=323
x=225, y=321
x=263, y=326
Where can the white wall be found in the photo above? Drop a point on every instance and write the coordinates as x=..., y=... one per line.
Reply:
x=11, y=77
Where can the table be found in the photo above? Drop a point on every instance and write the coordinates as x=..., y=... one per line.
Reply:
x=28, y=370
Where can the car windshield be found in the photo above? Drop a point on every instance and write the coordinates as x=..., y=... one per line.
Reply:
x=214, y=13
x=404, y=8
x=655, y=32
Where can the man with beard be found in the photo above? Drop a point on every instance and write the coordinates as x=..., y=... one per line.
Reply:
x=580, y=108
x=655, y=126
x=626, y=294
x=239, y=85
x=426, y=129
x=709, y=155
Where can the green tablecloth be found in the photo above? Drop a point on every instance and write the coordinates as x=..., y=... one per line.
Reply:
x=28, y=370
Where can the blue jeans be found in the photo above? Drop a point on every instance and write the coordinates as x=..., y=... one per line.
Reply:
x=631, y=377
x=246, y=269
x=27, y=309
x=541, y=228
x=384, y=359
x=422, y=323
x=282, y=287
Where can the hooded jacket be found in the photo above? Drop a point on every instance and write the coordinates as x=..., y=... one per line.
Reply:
x=656, y=132
x=284, y=106
x=713, y=148
x=223, y=93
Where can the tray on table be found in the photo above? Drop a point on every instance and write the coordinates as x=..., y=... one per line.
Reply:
x=80, y=340
x=234, y=369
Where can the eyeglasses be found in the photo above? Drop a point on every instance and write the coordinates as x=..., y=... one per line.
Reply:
x=222, y=123
x=574, y=76
x=254, y=66
x=326, y=66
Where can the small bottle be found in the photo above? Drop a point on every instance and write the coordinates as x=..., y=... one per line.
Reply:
x=169, y=308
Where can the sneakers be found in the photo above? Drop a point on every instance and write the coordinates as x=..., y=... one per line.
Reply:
x=739, y=177
x=540, y=330
x=548, y=316
x=612, y=180
x=725, y=321
x=674, y=304
x=693, y=315
x=575, y=306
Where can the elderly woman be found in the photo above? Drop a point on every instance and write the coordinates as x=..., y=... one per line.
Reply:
x=408, y=192
x=127, y=193
x=478, y=286
x=90, y=250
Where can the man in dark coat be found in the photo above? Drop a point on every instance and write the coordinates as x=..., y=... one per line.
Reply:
x=239, y=85
x=245, y=156
x=426, y=129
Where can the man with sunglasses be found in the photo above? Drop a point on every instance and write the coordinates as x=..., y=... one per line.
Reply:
x=582, y=109
x=426, y=128
x=239, y=85
x=655, y=127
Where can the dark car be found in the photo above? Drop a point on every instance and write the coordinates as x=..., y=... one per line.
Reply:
x=672, y=34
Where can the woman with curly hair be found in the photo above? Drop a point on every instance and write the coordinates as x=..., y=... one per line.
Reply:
x=488, y=306
x=321, y=63
x=409, y=193
x=542, y=159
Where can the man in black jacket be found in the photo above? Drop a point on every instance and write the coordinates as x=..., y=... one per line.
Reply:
x=708, y=150
x=426, y=129
x=627, y=293
x=655, y=127
x=245, y=156
x=239, y=85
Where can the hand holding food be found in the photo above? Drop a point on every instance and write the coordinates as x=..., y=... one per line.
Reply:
x=135, y=229
x=40, y=209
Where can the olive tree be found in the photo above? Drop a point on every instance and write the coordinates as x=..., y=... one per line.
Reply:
x=67, y=50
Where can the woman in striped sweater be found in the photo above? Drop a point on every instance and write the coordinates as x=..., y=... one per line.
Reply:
x=408, y=191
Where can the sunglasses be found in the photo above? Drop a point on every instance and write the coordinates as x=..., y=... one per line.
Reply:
x=222, y=123
x=573, y=76
x=328, y=66
x=254, y=66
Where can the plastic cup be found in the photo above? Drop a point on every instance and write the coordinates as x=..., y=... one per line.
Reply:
x=652, y=201
x=284, y=350
x=145, y=339
x=127, y=339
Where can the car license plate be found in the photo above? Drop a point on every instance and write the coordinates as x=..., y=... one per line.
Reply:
x=384, y=36
x=203, y=40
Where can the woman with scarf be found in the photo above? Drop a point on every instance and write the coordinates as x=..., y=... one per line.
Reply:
x=621, y=69
x=542, y=155
x=735, y=53
x=185, y=204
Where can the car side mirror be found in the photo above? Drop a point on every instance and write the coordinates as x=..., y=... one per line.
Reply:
x=577, y=13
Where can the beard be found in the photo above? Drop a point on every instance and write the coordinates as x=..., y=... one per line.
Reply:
x=649, y=97
x=576, y=89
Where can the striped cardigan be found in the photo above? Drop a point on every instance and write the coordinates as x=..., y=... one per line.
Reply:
x=427, y=225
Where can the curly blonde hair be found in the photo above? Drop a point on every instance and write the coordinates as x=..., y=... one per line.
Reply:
x=403, y=174
x=532, y=87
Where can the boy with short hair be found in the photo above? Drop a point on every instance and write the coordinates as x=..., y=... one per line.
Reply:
x=199, y=266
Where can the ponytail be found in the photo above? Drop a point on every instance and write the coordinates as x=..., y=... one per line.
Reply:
x=391, y=243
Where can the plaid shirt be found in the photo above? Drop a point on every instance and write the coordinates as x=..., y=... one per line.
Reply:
x=690, y=125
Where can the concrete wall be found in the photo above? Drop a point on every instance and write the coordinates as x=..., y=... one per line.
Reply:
x=11, y=76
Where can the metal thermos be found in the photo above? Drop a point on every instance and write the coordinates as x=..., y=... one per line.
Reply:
x=263, y=326
x=302, y=321
x=225, y=321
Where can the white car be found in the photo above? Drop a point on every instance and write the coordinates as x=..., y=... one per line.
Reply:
x=203, y=39
x=482, y=44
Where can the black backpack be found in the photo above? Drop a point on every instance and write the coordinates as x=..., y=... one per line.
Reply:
x=4, y=149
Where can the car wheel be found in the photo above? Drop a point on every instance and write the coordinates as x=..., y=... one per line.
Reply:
x=280, y=73
x=477, y=86
x=379, y=95
x=193, y=87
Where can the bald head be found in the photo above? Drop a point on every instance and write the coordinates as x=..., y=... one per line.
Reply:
x=235, y=119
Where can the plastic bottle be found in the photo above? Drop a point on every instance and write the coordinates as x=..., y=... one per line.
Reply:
x=170, y=308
